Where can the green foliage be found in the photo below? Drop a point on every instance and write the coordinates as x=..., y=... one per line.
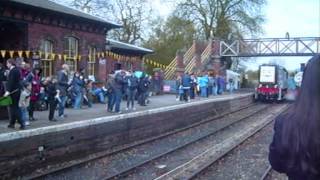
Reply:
x=168, y=37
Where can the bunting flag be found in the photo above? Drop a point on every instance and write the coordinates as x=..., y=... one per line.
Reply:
x=11, y=54
x=79, y=57
x=102, y=54
x=60, y=56
x=20, y=54
x=40, y=53
x=98, y=55
x=27, y=54
x=65, y=57
x=3, y=53
x=53, y=56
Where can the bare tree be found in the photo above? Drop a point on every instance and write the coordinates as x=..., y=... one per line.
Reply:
x=133, y=15
x=219, y=18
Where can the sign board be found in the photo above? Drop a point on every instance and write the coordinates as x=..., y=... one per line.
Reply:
x=267, y=74
x=298, y=78
x=166, y=88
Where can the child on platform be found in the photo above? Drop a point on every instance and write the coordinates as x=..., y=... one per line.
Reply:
x=24, y=103
x=53, y=96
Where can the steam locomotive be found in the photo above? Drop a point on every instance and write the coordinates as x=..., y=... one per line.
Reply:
x=273, y=83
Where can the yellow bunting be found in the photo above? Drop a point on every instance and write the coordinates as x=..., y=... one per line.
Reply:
x=3, y=53
x=79, y=57
x=20, y=53
x=59, y=56
x=53, y=56
x=65, y=57
x=40, y=53
x=89, y=58
x=27, y=53
x=11, y=54
x=98, y=55
x=102, y=54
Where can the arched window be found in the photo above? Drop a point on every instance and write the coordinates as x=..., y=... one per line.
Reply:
x=46, y=48
x=71, y=52
x=92, y=60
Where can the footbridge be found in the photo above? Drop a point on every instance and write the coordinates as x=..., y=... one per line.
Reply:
x=212, y=52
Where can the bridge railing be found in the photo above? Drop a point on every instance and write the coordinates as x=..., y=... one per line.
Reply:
x=308, y=46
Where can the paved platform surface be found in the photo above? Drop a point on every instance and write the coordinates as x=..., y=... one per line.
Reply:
x=99, y=110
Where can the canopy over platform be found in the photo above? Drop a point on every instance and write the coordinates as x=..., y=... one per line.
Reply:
x=126, y=49
x=58, y=8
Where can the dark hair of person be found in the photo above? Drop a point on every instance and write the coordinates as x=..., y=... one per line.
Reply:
x=301, y=127
x=11, y=61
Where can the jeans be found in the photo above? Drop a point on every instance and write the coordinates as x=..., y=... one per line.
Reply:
x=100, y=94
x=24, y=115
x=62, y=105
x=52, y=107
x=214, y=90
x=77, y=100
x=117, y=99
x=111, y=98
x=203, y=91
x=131, y=95
x=186, y=93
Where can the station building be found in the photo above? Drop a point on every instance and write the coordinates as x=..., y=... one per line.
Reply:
x=49, y=34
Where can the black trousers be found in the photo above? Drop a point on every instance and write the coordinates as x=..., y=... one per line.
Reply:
x=31, y=108
x=15, y=113
x=52, y=108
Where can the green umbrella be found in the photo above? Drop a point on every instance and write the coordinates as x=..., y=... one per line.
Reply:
x=5, y=101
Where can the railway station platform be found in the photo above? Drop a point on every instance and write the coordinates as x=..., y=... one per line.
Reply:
x=93, y=130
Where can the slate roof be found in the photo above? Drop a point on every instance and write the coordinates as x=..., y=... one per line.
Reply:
x=125, y=48
x=49, y=5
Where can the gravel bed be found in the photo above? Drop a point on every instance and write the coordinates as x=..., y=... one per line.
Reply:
x=110, y=165
x=173, y=160
x=248, y=161
x=274, y=175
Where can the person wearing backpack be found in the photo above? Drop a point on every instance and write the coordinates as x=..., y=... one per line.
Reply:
x=132, y=85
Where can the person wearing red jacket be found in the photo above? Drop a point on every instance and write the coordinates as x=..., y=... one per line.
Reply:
x=35, y=80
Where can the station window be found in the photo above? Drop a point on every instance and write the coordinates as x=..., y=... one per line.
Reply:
x=71, y=52
x=46, y=48
x=92, y=60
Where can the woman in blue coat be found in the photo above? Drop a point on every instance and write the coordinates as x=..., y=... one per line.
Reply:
x=295, y=149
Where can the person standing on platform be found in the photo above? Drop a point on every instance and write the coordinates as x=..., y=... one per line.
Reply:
x=295, y=148
x=215, y=86
x=143, y=86
x=186, y=84
x=118, y=88
x=62, y=87
x=231, y=85
x=110, y=93
x=77, y=88
x=132, y=85
x=178, y=86
x=193, y=86
x=24, y=102
x=14, y=90
x=35, y=80
x=203, y=84
x=53, y=96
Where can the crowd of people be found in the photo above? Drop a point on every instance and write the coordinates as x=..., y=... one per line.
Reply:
x=188, y=86
x=30, y=91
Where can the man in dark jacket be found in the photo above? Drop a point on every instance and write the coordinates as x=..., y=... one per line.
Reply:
x=186, y=84
x=132, y=85
x=118, y=88
x=14, y=89
x=143, y=88
x=62, y=87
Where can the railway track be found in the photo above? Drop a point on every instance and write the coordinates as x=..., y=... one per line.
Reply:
x=196, y=168
x=60, y=169
x=125, y=172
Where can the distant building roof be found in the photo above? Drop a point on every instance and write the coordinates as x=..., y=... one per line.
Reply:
x=127, y=49
x=49, y=5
